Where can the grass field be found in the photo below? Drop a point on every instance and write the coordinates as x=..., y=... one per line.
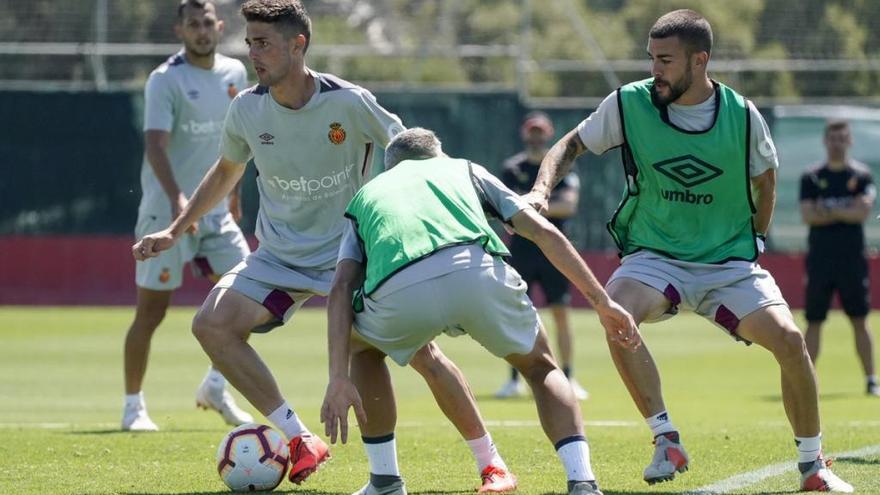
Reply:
x=61, y=398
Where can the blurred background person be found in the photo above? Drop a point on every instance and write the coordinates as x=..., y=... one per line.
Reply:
x=519, y=174
x=836, y=199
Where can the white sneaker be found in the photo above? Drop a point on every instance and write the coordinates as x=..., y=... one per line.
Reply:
x=511, y=388
x=219, y=399
x=135, y=418
x=579, y=392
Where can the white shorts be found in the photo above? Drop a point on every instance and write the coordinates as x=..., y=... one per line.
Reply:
x=280, y=288
x=488, y=303
x=724, y=294
x=218, y=246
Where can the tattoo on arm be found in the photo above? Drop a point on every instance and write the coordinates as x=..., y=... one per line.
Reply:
x=559, y=161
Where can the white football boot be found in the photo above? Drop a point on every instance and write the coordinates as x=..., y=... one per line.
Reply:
x=669, y=458
x=396, y=488
x=580, y=392
x=219, y=399
x=510, y=389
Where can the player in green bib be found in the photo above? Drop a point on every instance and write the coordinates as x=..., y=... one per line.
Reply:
x=419, y=259
x=700, y=192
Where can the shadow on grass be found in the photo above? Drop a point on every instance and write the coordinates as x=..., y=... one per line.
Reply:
x=857, y=460
x=834, y=396
x=113, y=431
x=492, y=398
x=227, y=492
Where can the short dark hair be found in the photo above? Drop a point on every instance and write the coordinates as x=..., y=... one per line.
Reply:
x=833, y=125
x=690, y=27
x=416, y=143
x=289, y=16
x=196, y=4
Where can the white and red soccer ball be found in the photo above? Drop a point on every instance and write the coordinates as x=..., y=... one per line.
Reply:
x=252, y=457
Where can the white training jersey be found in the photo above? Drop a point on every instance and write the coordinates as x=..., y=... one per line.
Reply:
x=190, y=103
x=310, y=162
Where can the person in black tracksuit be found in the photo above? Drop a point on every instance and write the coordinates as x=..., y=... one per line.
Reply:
x=519, y=173
x=836, y=198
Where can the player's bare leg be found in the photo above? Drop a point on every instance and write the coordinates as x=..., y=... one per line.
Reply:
x=559, y=412
x=641, y=377
x=455, y=398
x=565, y=347
x=773, y=328
x=152, y=305
x=451, y=391
x=865, y=349
x=222, y=326
x=637, y=369
x=369, y=373
x=813, y=339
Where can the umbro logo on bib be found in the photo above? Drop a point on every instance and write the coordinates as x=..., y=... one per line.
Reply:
x=266, y=138
x=688, y=170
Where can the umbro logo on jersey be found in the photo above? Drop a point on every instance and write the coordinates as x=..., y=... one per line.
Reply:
x=266, y=138
x=687, y=170
x=193, y=94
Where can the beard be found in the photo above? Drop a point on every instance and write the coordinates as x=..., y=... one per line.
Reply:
x=201, y=49
x=675, y=90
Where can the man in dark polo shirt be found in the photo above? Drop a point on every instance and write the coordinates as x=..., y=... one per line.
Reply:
x=837, y=197
x=519, y=174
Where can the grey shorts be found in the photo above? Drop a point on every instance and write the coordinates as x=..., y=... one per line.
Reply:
x=280, y=288
x=724, y=294
x=488, y=303
x=218, y=246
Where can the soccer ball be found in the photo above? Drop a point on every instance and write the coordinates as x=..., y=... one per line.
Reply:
x=252, y=457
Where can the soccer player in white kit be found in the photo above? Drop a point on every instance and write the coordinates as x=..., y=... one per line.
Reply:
x=311, y=137
x=185, y=102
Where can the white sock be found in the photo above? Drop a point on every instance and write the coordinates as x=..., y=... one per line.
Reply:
x=135, y=400
x=660, y=423
x=574, y=452
x=382, y=452
x=214, y=378
x=287, y=421
x=485, y=453
x=809, y=448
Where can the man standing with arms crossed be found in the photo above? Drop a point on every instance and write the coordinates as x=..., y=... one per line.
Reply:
x=311, y=137
x=519, y=174
x=690, y=232
x=836, y=199
x=185, y=102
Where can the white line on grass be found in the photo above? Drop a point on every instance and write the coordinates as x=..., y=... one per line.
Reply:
x=55, y=426
x=740, y=481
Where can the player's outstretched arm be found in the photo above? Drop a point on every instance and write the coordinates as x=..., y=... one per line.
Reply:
x=557, y=164
x=618, y=323
x=214, y=187
x=341, y=392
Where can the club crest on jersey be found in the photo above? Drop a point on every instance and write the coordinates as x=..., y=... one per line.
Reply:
x=231, y=90
x=165, y=276
x=336, y=134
